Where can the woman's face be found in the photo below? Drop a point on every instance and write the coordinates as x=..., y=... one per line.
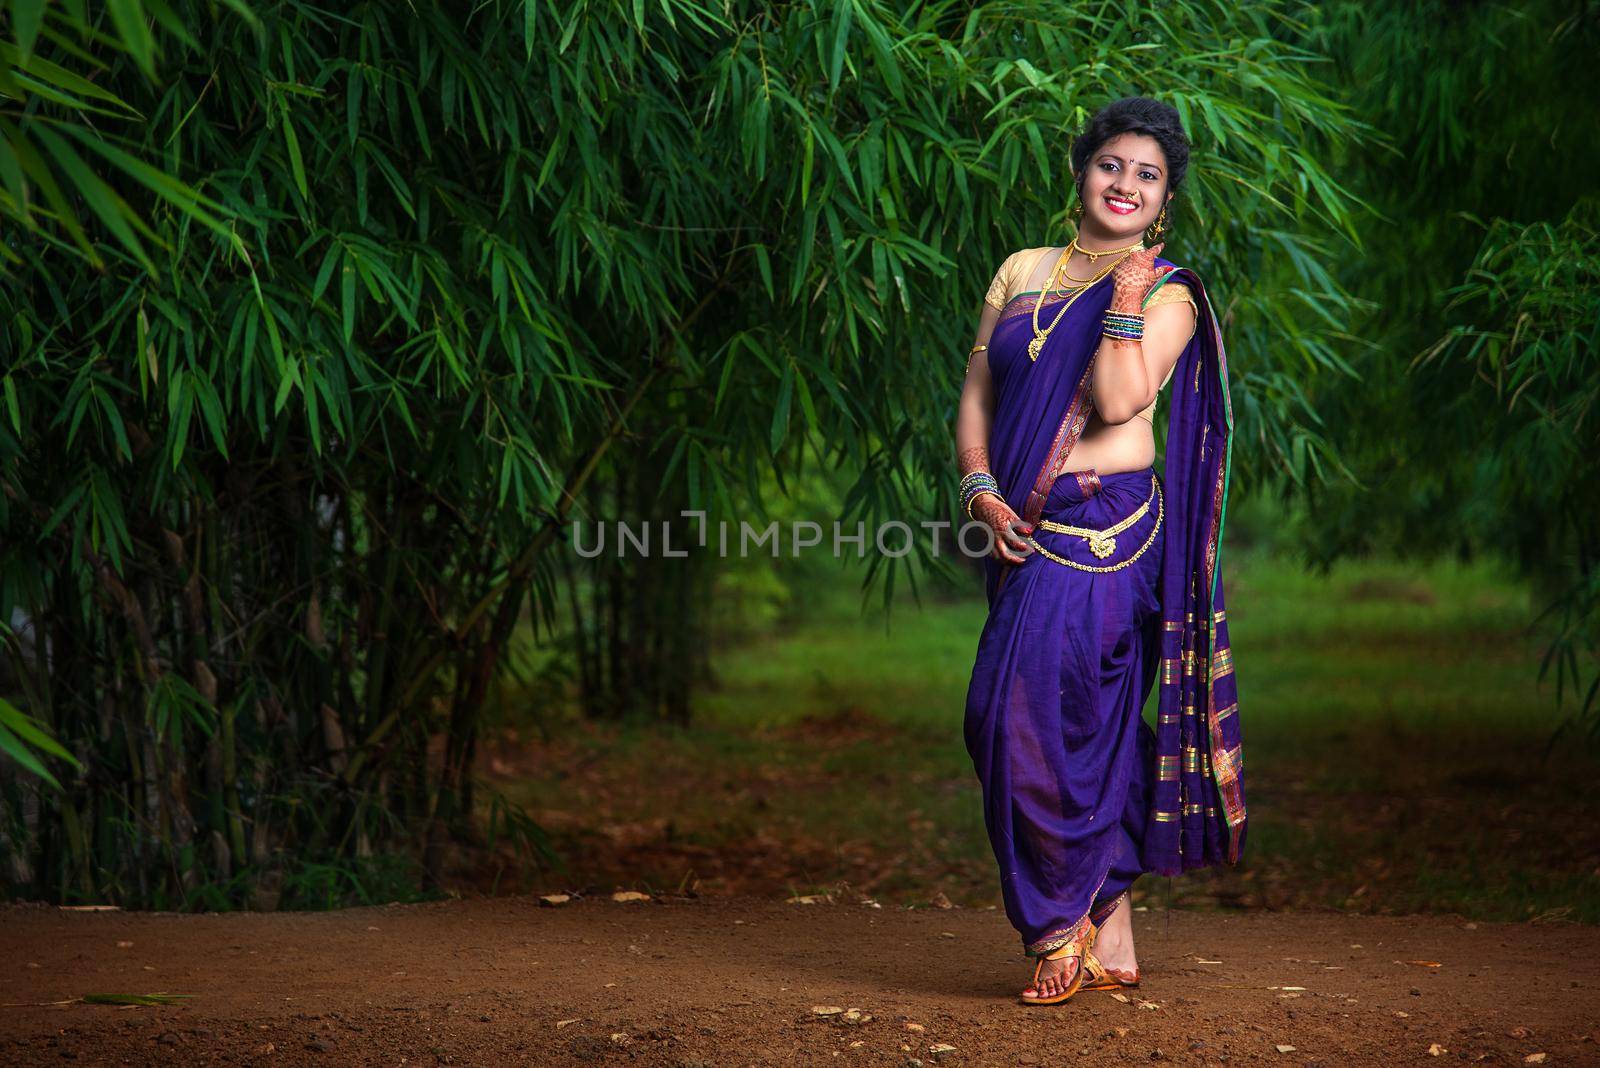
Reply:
x=1124, y=187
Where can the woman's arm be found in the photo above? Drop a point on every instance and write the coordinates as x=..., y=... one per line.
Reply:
x=1128, y=374
x=974, y=417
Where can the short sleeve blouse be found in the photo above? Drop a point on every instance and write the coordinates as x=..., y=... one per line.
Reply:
x=1008, y=280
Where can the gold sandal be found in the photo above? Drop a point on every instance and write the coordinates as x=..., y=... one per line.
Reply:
x=1102, y=978
x=1078, y=948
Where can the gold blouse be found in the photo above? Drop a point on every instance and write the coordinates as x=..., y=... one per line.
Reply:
x=1014, y=272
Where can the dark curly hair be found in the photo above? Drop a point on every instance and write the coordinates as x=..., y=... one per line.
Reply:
x=1140, y=115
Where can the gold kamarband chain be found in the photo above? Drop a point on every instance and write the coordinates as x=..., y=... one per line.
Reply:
x=1104, y=542
x=1105, y=539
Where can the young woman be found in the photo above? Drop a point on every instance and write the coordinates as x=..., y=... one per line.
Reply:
x=1104, y=574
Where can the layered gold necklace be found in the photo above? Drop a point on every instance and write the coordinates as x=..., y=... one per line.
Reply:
x=1068, y=283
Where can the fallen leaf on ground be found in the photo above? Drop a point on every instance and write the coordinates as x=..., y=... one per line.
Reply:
x=915, y=1027
x=1420, y=963
x=1285, y=1049
x=629, y=895
x=562, y=1023
x=1121, y=997
x=825, y=1010
x=941, y=1047
x=134, y=999
x=1436, y=1050
x=554, y=899
x=1533, y=1058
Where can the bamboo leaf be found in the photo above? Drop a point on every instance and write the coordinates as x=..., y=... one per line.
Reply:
x=31, y=731
x=26, y=18
x=132, y=30
x=13, y=747
x=291, y=140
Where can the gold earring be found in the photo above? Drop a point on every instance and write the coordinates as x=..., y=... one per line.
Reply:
x=1160, y=224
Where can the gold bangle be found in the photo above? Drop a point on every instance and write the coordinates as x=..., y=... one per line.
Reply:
x=975, y=497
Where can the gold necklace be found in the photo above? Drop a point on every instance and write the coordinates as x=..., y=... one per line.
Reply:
x=1039, y=336
x=1093, y=256
x=1137, y=246
x=1073, y=277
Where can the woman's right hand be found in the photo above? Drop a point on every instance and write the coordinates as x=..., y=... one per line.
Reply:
x=1010, y=541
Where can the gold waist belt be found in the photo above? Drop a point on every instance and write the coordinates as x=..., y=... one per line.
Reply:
x=1104, y=542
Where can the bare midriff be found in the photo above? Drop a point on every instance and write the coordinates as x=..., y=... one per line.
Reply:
x=1106, y=447
x=1112, y=447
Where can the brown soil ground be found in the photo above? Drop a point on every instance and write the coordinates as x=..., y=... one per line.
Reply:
x=735, y=981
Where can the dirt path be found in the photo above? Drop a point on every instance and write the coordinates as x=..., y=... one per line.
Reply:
x=734, y=981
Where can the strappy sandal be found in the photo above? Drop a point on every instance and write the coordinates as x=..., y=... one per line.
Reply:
x=1079, y=948
x=1100, y=977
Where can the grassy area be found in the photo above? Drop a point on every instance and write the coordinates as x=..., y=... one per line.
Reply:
x=1395, y=744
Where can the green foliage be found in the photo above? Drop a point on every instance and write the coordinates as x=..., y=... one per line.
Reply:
x=317, y=324
x=24, y=739
x=1472, y=429
x=1532, y=299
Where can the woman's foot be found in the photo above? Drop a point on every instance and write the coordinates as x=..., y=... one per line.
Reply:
x=1054, y=978
x=1114, y=944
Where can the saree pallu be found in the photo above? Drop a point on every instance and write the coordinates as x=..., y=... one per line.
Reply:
x=1080, y=795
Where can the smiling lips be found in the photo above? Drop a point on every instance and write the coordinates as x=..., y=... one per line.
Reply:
x=1121, y=206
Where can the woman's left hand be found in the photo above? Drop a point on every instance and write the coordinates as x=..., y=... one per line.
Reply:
x=1132, y=278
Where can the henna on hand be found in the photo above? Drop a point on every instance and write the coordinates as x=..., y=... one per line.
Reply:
x=1010, y=543
x=1132, y=278
x=973, y=459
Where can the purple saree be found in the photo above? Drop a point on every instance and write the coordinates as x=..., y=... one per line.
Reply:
x=1080, y=795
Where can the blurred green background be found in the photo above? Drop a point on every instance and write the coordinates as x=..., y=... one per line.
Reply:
x=320, y=328
x=1398, y=749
